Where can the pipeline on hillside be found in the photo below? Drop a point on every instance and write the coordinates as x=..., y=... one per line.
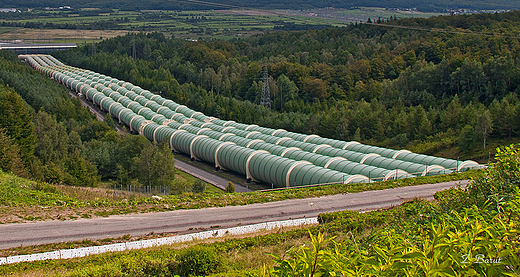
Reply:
x=272, y=156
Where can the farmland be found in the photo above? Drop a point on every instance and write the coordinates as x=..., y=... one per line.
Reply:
x=87, y=26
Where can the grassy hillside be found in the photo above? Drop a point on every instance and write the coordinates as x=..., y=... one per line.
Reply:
x=463, y=231
x=16, y=191
x=22, y=200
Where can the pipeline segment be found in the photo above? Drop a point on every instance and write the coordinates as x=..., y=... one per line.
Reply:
x=257, y=167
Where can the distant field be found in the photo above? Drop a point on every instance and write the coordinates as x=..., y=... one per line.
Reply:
x=60, y=35
x=6, y=29
x=215, y=24
x=361, y=14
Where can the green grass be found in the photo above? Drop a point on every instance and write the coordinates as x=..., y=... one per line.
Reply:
x=6, y=29
x=23, y=200
x=238, y=256
x=16, y=191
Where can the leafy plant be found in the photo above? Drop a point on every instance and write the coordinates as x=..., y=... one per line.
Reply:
x=453, y=237
x=198, y=260
x=305, y=261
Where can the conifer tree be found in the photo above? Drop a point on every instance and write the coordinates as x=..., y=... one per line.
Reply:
x=16, y=120
x=9, y=156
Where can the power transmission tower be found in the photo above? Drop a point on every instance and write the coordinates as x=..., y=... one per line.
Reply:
x=14, y=35
x=78, y=30
x=93, y=48
x=133, y=47
x=265, y=99
x=41, y=37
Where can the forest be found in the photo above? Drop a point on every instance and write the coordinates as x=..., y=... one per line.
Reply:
x=441, y=93
x=427, y=6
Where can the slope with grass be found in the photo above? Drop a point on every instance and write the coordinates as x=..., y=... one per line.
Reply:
x=193, y=221
x=466, y=231
x=24, y=200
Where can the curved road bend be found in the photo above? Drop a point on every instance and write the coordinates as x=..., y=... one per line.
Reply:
x=186, y=221
x=208, y=177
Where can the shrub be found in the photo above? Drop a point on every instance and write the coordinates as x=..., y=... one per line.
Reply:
x=198, y=260
x=230, y=188
x=198, y=186
x=501, y=180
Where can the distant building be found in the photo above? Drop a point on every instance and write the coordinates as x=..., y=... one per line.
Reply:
x=36, y=48
x=3, y=10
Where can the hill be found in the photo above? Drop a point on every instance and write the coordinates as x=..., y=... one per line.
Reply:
x=444, y=86
x=431, y=5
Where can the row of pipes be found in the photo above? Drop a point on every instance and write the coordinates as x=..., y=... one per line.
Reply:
x=272, y=156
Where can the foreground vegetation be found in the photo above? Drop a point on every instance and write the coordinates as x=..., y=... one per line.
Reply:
x=469, y=231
